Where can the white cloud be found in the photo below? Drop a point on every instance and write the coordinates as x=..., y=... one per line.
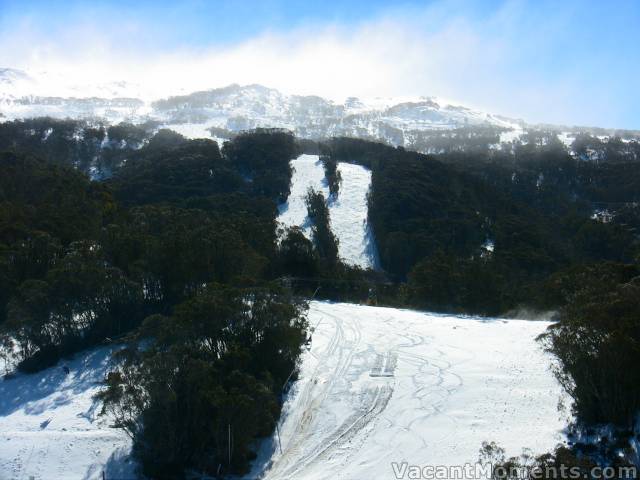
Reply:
x=488, y=63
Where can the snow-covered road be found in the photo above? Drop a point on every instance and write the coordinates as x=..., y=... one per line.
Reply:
x=383, y=385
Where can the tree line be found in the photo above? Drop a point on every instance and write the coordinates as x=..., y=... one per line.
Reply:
x=176, y=255
x=177, y=247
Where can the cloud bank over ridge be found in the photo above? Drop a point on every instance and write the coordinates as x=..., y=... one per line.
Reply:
x=512, y=59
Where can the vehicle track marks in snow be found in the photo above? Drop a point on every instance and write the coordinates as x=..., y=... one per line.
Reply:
x=451, y=383
x=318, y=388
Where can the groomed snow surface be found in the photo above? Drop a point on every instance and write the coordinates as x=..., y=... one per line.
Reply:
x=348, y=212
x=383, y=385
x=378, y=385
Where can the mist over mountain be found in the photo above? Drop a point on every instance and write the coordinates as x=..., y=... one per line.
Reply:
x=24, y=96
x=412, y=122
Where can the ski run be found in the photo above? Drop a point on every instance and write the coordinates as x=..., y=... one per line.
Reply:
x=347, y=210
x=377, y=386
x=382, y=385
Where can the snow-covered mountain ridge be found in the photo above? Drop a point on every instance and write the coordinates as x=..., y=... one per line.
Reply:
x=237, y=107
x=412, y=122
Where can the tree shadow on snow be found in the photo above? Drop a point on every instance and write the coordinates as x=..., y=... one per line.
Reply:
x=119, y=466
x=37, y=392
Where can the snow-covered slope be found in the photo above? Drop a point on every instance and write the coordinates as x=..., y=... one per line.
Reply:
x=348, y=212
x=307, y=173
x=378, y=385
x=382, y=385
x=23, y=95
x=412, y=122
x=50, y=429
x=241, y=107
x=234, y=108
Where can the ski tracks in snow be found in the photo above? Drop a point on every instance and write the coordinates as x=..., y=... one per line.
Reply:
x=383, y=385
x=336, y=359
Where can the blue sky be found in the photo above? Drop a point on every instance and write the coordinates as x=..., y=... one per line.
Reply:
x=573, y=62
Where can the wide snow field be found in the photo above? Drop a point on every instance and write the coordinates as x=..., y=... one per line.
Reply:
x=382, y=385
x=378, y=385
x=50, y=428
